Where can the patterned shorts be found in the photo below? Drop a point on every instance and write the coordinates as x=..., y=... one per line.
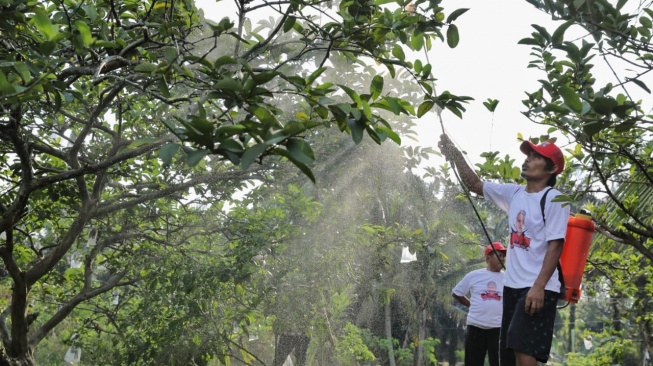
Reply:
x=524, y=333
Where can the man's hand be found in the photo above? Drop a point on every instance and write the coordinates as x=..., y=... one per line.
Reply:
x=447, y=148
x=534, y=300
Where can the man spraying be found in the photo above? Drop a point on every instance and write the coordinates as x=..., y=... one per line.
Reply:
x=531, y=285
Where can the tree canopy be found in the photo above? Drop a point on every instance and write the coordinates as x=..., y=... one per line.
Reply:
x=129, y=128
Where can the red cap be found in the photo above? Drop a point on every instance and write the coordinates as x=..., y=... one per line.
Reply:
x=547, y=149
x=498, y=246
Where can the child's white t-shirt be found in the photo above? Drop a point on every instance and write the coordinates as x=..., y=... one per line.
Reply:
x=486, y=297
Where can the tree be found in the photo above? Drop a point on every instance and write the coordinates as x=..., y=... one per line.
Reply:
x=90, y=91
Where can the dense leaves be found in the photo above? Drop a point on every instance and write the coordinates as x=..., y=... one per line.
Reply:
x=122, y=121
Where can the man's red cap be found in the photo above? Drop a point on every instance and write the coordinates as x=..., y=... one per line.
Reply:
x=547, y=149
x=498, y=246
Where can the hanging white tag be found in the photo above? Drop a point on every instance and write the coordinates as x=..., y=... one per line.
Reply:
x=407, y=256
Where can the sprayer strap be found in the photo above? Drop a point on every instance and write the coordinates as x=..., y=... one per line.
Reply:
x=542, y=202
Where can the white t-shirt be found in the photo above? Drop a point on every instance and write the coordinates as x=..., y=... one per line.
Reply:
x=529, y=236
x=486, y=289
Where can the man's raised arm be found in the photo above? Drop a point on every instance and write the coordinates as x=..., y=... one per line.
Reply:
x=466, y=173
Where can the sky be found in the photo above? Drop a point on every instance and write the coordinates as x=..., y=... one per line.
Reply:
x=487, y=63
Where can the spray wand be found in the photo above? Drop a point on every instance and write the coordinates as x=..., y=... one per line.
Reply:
x=469, y=198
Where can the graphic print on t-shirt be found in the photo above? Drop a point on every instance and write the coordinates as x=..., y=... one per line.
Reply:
x=491, y=293
x=518, y=237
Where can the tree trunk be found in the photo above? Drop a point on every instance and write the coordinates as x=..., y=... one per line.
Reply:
x=388, y=334
x=421, y=336
x=26, y=360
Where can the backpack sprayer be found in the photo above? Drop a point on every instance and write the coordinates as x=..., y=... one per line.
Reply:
x=580, y=230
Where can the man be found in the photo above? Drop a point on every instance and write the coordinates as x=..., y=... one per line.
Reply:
x=531, y=285
x=485, y=287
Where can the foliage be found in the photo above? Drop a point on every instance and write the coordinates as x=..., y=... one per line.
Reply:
x=118, y=119
x=429, y=349
x=224, y=105
x=609, y=350
x=350, y=349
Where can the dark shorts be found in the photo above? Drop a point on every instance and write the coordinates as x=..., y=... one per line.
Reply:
x=524, y=333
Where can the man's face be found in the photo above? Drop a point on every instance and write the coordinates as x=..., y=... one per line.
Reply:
x=534, y=167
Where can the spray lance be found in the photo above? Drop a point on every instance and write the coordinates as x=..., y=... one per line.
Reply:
x=469, y=198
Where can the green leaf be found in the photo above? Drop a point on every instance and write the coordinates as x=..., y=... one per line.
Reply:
x=426, y=71
x=305, y=169
x=232, y=146
x=424, y=108
x=530, y=41
x=376, y=86
x=417, y=66
x=315, y=75
x=647, y=10
x=44, y=26
x=555, y=108
x=224, y=60
x=163, y=87
x=571, y=98
x=6, y=87
x=394, y=104
x=542, y=31
x=491, y=104
x=640, y=84
x=48, y=47
x=352, y=94
x=452, y=36
x=455, y=14
x=170, y=54
x=417, y=40
x=196, y=156
x=84, y=32
x=230, y=130
x=297, y=80
x=145, y=67
x=277, y=137
x=356, y=129
x=167, y=152
x=559, y=34
x=646, y=22
x=367, y=111
x=142, y=142
x=289, y=23
x=228, y=84
x=398, y=52
x=604, y=105
x=592, y=128
x=264, y=77
x=390, y=133
x=251, y=154
x=300, y=151
x=23, y=70
x=264, y=115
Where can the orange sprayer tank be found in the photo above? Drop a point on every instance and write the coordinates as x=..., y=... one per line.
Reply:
x=580, y=229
